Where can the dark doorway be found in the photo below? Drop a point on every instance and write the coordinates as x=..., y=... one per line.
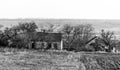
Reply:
x=49, y=46
x=33, y=45
x=55, y=46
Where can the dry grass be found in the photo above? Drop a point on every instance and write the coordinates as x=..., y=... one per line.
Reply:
x=15, y=59
x=36, y=60
x=101, y=61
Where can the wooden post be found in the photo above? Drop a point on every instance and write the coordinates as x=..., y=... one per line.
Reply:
x=61, y=45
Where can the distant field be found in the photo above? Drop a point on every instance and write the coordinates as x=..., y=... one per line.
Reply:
x=14, y=59
x=98, y=24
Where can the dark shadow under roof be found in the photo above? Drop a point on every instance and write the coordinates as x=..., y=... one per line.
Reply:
x=41, y=36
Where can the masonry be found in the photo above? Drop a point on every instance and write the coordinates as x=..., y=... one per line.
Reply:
x=45, y=40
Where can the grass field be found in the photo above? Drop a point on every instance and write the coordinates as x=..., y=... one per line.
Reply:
x=14, y=59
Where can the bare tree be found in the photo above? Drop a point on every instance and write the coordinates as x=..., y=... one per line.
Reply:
x=48, y=27
x=27, y=27
x=107, y=39
x=67, y=35
x=77, y=36
x=10, y=34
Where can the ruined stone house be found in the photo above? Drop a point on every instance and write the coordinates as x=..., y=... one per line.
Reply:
x=43, y=40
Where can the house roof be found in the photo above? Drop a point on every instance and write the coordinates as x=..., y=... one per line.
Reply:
x=42, y=36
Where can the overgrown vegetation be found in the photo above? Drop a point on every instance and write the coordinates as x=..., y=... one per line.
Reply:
x=16, y=35
x=75, y=37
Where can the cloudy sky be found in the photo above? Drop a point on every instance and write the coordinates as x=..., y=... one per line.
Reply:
x=80, y=9
x=102, y=14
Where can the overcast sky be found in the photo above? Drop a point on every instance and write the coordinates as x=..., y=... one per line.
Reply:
x=80, y=9
x=63, y=9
